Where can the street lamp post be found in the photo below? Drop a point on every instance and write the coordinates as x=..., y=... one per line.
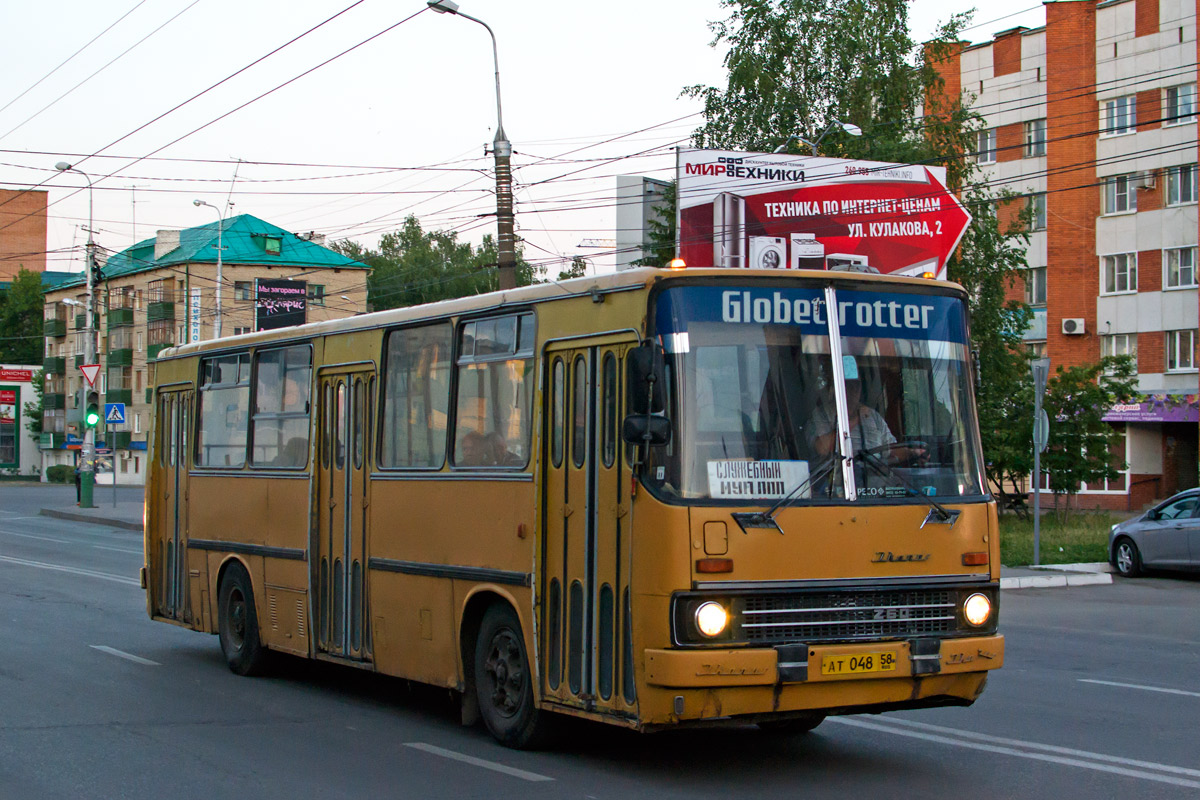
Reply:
x=87, y=472
x=220, y=250
x=834, y=125
x=502, y=150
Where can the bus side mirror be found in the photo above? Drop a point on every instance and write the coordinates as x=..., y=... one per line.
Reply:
x=638, y=429
x=645, y=380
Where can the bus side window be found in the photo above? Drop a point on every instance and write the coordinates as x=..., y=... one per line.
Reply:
x=609, y=412
x=495, y=392
x=224, y=411
x=282, y=390
x=416, y=397
x=557, y=409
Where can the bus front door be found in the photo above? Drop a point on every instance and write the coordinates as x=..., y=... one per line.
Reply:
x=586, y=644
x=346, y=402
x=170, y=536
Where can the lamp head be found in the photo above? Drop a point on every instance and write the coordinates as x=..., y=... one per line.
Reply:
x=849, y=128
x=62, y=166
x=443, y=6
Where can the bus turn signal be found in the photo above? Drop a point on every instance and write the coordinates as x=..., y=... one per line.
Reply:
x=714, y=565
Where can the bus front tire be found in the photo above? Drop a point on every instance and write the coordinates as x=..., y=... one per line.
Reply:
x=237, y=624
x=793, y=726
x=503, y=684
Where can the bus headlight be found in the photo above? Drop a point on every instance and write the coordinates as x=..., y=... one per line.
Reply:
x=977, y=609
x=711, y=618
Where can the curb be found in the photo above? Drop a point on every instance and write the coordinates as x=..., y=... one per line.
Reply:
x=74, y=517
x=1047, y=581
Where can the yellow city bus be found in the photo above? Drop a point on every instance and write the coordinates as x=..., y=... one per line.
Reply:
x=653, y=499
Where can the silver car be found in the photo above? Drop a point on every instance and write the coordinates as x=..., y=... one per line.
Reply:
x=1165, y=537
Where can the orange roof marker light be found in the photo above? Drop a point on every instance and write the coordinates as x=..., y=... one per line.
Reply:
x=928, y=276
x=676, y=263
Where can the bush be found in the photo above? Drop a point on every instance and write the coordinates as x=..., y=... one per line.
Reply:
x=60, y=473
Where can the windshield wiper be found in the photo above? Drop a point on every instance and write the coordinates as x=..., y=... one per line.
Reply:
x=871, y=458
x=766, y=519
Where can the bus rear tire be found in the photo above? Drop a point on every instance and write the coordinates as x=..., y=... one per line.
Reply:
x=793, y=726
x=237, y=624
x=503, y=684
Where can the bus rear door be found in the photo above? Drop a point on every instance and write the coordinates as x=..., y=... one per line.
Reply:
x=170, y=534
x=346, y=403
x=586, y=645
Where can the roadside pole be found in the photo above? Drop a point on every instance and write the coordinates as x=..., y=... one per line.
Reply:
x=1041, y=435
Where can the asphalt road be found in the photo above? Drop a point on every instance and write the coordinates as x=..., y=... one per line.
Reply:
x=1099, y=699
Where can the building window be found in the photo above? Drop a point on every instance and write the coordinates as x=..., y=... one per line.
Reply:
x=1035, y=286
x=1036, y=349
x=1119, y=273
x=1035, y=204
x=985, y=152
x=1120, y=116
x=1181, y=104
x=243, y=290
x=1180, y=268
x=1120, y=196
x=137, y=423
x=1181, y=351
x=1181, y=185
x=316, y=294
x=1119, y=344
x=1035, y=138
x=240, y=331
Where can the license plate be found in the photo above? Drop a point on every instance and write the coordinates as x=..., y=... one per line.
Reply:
x=858, y=663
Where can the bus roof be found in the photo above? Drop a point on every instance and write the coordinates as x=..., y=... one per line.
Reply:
x=624, y=280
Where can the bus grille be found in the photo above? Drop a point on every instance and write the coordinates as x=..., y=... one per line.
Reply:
x=830, y=616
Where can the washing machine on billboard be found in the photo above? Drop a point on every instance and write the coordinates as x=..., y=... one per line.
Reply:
x=768, y=252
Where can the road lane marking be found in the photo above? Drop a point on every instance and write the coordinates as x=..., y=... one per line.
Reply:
x=1139, y=686
x=479, y=762
x=33, y=536
x=73, y=570
x=112, y=651
x=118, y=549
x=1131, y=762
x=1099, y=766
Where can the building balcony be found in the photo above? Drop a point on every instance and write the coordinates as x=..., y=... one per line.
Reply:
x=160, y=310
x=119, y=396
x=51, y=441
x=78, y=360
x=119, y=317
x=153, y=350
x=120, y=358
x=119, y=440
x=53, y=402
x=54, y=365
x=55, y=327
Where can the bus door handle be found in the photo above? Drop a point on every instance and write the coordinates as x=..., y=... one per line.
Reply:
x=567, y=510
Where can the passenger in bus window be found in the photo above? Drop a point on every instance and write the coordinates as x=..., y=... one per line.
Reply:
x=868, y=429
x=474, y=450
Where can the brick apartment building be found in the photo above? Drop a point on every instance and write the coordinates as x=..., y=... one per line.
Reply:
x=1093, y=118
x=22, y=232
x=159, y=293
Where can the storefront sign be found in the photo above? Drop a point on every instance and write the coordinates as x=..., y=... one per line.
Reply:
x=16, y=375
x=1157, y=408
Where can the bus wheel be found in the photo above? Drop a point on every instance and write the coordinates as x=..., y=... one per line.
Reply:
x=503, y=684
x=793, y=726
x=237, y=624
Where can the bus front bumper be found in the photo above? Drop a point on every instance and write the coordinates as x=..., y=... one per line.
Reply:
x=694, y=685
x=822, y=663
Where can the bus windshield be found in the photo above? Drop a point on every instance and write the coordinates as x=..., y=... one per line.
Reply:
x=753, y=403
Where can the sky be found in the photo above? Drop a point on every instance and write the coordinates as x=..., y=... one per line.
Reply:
x=342, y=117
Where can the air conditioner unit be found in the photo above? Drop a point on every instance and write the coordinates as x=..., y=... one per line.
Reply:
x=1144, y=180
x=1073, y=326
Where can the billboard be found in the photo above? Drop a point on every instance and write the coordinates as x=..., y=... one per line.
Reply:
x=279, y=303
x=781, y=211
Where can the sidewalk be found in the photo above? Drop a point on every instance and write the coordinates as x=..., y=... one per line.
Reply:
x=126, y=514
x=1046, y=576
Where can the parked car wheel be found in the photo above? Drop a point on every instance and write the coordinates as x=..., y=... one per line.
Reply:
x=1126, y=558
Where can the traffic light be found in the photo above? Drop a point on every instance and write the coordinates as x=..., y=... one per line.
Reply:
x=91, y=417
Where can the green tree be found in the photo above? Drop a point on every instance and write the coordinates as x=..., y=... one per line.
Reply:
x=576, y=269
x=413, y=266
x=21, y=319
x=1081, y=442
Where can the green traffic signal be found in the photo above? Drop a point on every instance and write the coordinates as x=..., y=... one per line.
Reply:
x=91, y=417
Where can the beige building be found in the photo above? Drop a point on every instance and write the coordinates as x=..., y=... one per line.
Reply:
x=162, y=292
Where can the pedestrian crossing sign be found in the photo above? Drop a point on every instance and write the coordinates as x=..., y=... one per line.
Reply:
x=114, y=413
